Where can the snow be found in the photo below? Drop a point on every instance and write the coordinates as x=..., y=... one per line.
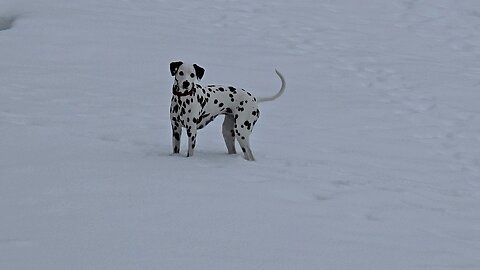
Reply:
x=370, y=160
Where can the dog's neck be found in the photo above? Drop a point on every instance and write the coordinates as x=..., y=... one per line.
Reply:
x=176, y=92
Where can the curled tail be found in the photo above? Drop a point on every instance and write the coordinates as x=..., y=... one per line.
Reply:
x=282, y=89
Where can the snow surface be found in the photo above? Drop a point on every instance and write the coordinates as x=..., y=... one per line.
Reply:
x=371, y=159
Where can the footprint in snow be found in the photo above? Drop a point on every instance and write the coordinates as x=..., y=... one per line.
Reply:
x=16, y=243
x=6, y=23
x=297, y=196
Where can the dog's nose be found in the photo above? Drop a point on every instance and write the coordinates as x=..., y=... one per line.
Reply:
x=185, y=84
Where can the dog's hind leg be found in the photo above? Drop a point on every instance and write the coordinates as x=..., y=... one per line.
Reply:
x=229, y=133
x=245, y=144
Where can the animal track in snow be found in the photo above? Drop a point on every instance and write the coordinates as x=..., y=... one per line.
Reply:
x=299, y=196
x=393, y=88
x=449, y=134
x=6, y=22
x=15, y=243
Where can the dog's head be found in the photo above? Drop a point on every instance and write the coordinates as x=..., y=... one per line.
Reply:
x=186, y=74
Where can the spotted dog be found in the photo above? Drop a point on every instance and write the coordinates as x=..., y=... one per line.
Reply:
x=193, y=106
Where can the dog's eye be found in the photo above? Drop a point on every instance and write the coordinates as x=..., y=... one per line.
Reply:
x=181, y=73
x=192, y=75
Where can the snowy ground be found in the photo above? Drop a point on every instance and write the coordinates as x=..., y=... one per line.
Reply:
x=371, y=159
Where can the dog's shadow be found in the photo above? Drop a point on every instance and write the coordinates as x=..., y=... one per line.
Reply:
x=206, y=155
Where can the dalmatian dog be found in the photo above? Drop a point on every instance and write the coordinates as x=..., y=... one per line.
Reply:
x=193, y=106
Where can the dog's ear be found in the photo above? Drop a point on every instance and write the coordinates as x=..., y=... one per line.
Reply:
x=174, y=67
x=199, y=70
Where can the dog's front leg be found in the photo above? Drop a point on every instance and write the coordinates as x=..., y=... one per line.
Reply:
x=192, y=138
x=176, y=134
